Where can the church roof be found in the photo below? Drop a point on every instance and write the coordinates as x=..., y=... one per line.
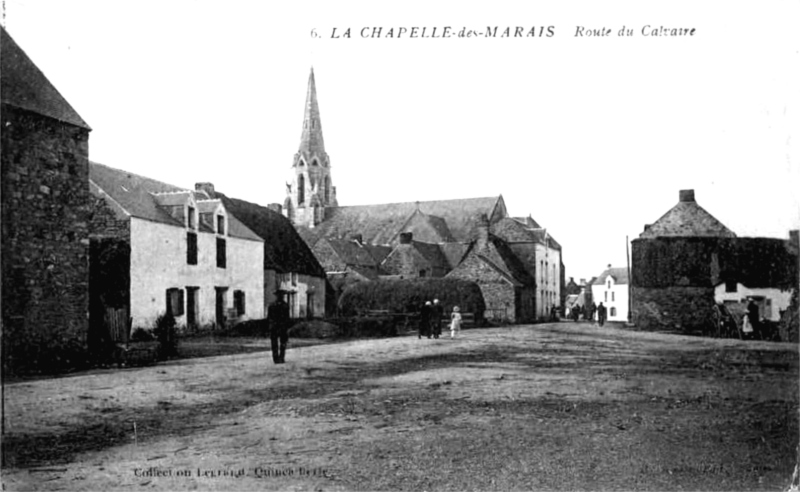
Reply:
x=687, y=219
x=353, y=253
x=144, y=198
x=433, y=253
x=311, y=141
x=24, y=86
x=380, y=224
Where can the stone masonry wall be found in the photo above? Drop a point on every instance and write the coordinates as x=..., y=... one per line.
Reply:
x=45, y=241
x=686, y=309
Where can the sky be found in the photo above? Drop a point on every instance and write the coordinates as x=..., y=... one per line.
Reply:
x=592, y=136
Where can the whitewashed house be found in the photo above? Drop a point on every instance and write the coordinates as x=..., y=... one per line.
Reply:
x=771, y=301
x=188, y=255
x=611, y=288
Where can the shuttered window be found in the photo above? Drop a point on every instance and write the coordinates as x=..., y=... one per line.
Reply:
x=191, y=248
x=238, y=302
x=221, y=254
x=174, y=302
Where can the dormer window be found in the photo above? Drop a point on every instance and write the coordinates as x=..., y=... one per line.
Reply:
x=221, y=225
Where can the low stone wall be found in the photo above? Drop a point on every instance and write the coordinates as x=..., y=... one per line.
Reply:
x=686, y=309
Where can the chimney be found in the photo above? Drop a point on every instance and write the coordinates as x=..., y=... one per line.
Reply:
x=583, y=281
x=609, y=266
x=647, y=227
x=357, y=238
x=483, y=232
x=406, y=237
x=207, y=187
x=276, y=207
x=572, y=280
x=794, y=241
x=686, y=195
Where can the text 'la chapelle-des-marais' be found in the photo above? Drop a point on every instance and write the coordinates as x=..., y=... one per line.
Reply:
x=448, y=32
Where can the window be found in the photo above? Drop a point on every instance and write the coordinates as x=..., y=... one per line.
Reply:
x=422, y=273
x=606, y=296
x=294, y=279
x=730, y=286
x=190, y=218
x=612, y=296
x=613, y=311
x=221, y=224
x=301, y=190
x=221, y=256
x=238, y=302
x=609, y=284
x=191, y=248
x=175, y=302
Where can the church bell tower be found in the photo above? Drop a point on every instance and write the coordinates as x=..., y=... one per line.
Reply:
x=310, y=190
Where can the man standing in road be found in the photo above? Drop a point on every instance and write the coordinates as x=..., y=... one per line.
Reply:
x=437, y=314
x=601, y=314
x=278, y=319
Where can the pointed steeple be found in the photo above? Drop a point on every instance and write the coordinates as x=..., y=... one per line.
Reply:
x=311, y=141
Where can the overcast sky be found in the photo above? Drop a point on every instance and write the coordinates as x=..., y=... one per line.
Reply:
x=591, y=136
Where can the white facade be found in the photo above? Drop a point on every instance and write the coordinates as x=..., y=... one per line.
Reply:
x=548, y=279
x=771, y=301
x=159, y=264
x=614, y=297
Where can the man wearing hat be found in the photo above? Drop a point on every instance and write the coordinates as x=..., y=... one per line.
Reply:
x=278, y=319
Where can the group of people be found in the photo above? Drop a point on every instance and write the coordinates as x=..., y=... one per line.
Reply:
x=588, y=313
x=430, y=320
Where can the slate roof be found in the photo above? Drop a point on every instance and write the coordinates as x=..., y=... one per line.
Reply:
x=620, y=276
x=437, y=224
x=380, y=224
x=135, y=195
x=24, y=86
x=378, y=252
x=284, y=249
x=432, y=253
x=516, y=231
x=454, y=253
x=352, y=253
x=499, y=256
x=687, y=219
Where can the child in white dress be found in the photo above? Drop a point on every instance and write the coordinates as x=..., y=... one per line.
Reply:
x=455, y=322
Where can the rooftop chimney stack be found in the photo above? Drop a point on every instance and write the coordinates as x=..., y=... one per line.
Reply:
x=207, y=187
x=686, y=195
x=483, y=232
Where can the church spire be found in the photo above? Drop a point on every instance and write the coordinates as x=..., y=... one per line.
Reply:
x=311, y=141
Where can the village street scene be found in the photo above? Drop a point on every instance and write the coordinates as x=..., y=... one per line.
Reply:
x=224, y=296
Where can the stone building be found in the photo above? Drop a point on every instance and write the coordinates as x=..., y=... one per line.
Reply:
x=45, y=205
x=187, y=254
x=507, y=287
x=679, y=262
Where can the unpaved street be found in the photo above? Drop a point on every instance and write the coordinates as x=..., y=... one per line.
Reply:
x=556, y=406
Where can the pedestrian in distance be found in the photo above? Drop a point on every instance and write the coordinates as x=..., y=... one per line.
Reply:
x=425, y=320
x=592, y=311
x=753, y=316
x=601, y=314
x=436, y=322
x=278, y=320
x=455, y=322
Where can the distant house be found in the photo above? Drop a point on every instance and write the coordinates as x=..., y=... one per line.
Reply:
x=45, y=234
x=288, y=263
x=507, y=287
x=611, y=288
x=188, y=255
x=346, y=255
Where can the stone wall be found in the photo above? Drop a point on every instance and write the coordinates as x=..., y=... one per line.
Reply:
x=45, y=242
x=498, y=294
x=686, y=309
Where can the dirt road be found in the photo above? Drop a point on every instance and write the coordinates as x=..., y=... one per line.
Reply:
x=556, y=406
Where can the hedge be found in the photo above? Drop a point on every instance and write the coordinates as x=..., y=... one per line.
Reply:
x=408, y=296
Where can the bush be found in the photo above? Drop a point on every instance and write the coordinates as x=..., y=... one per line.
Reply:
x=167, y=335
x=408, y=296
x=315, y=329
x=142, y=335
x=249, y=328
